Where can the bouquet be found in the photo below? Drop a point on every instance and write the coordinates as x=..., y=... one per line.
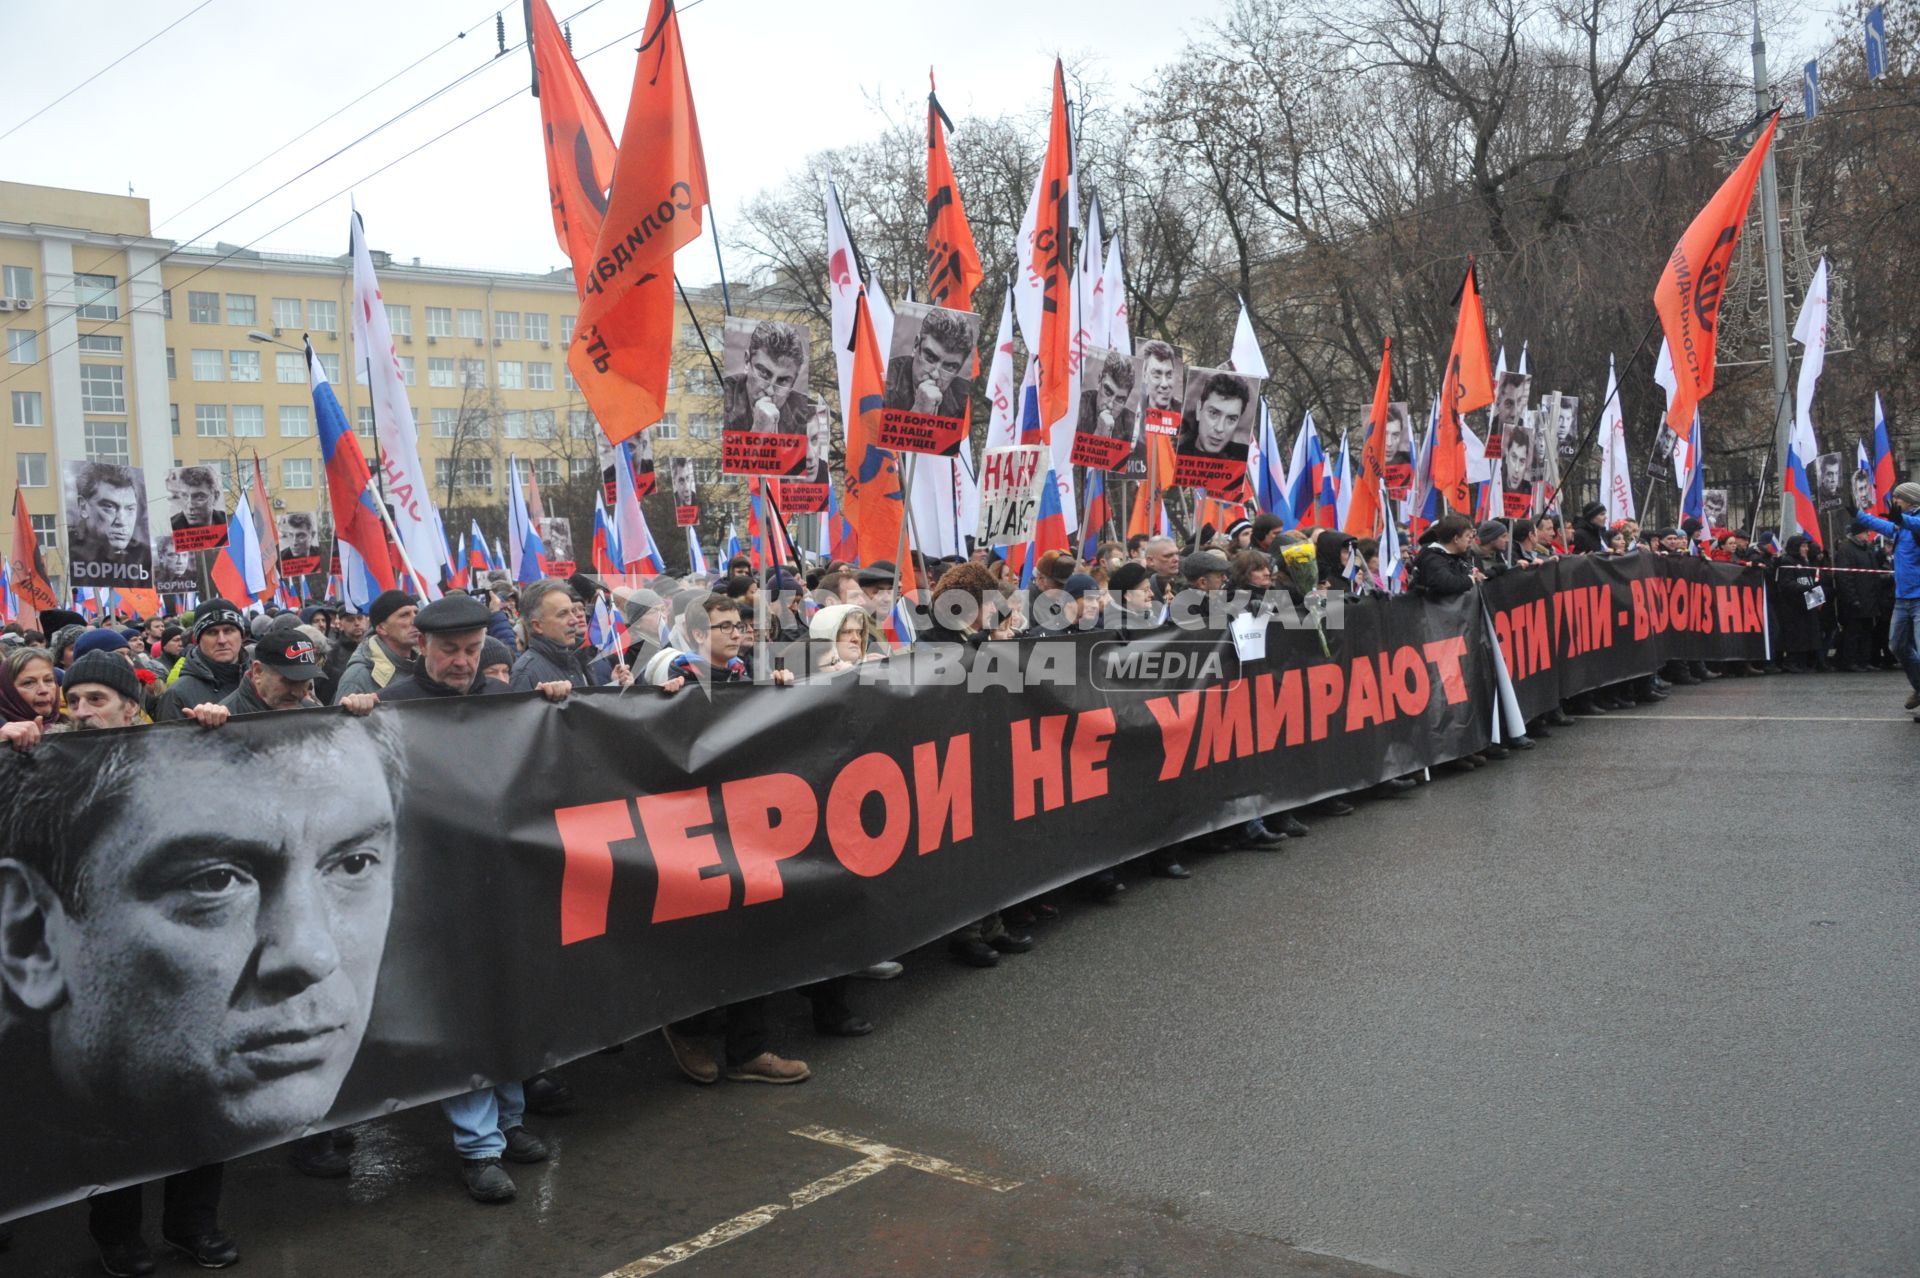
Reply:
x=1302, y=563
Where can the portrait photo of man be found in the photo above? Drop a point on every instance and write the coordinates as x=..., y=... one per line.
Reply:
x=1106, y=380
x=685, y=491
x=107, y=524
x=930, y=367
x=556, y=534
x=1397, y=454
x=190, y=978
x=1159, y=379
x=819, y=445
x=173, y=570
x=1830, y=482
x=1509, y=408
x=193, y=497
x=1714, y=505
x=299, y=536
x=1863, y=494
x=1566, y=425
x=764, y=377
x=1516, y=470
x=1218, y=418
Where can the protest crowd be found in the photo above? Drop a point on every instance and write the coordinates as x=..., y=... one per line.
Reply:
x=823, y=621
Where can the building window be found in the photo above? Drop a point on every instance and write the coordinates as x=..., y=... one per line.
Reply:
x=173, y=372
x=296, y=421
x=506, y=326
x=580, y=423
x=17, y=282
x=566, y=376
x=323, y=316
x=166, y=303
x=296, y=472
x=107, y=442
x=363, y=421
x=582, y=467
x=99, y=296
x=243, y=366
x=286, y=312
x=508, y=374
x=690, y=337
x=473, y=372
x=27, y=409
x=203, y=308
x=23, y=346
x=406, y=369
x=30, y=470
x=513, y=424
x=249, y=421
x=477, y=472
x=566, y=330
x=700, y=426
x=668, y=427
x=539, y=376
x=330, y=366
x=100, y=344
x=546, y=471
x=439, y=321
x=540, y=423
x=209, y=366
x=173, y=418
x=46, y=531
x=400, y=320
x=445, y=422
x=210, y=420
x=289, y=367
x=103, y=388
x=222, y=471
x=472, y=323
x=439, y=372
x=536, y=327
x=242, y=310
x=706, y=470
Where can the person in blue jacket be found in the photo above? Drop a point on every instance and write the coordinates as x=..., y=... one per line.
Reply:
x=1903, y=531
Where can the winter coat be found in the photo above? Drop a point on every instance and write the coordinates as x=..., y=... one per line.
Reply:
x=1905, y=535
x=417, y=687
x=1440, y=574
x=199, y=682
x=244, y=700
x=544, y=661
x=1859, y=591
x=372, y=668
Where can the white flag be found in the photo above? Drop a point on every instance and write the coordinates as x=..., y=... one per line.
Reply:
x=403, y=481
x=1246, y=357
x=1114, y=285
x=1003, y=393
x=1616, y=472
x=843, y=290
x=1811, y=332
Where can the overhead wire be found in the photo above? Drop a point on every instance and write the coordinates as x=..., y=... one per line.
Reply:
x=103, y=70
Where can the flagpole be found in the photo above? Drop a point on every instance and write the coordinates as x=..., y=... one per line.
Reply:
x=1593, y=432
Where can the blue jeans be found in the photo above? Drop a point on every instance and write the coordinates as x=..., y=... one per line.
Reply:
x=1903, y=638
x=481, y=1119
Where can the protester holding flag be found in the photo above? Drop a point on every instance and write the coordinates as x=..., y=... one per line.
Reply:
x=556, y=621
x=1902, y=528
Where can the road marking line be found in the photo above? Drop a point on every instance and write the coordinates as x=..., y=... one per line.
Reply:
x=878, y=1158
x=907, y=1158
x=1747, y=718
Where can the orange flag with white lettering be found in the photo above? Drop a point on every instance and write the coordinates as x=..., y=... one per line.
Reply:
x=29, y=571
x=579, y=146
x=953, y=261
x=1468, y=385
x=1363, y=509
x=1695, y=279
x=1045, y=279
x=624, y=338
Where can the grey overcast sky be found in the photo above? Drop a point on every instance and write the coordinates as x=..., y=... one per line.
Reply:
x=774, y=81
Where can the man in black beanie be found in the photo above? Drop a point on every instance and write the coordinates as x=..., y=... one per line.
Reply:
x=1590, y=534
x=389, y=650
x=213, y=665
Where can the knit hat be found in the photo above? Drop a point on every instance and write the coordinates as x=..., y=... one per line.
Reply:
x=216, y=612
x=1491, y=531
x=495, y=653
x=388, y=603
x=98, y=641
x=1239, y=526
x=105, y=669
x=1908, y=492
x=1080, y=585
x=1592, y=508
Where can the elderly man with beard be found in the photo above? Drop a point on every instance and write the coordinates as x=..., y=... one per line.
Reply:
x=184, y=982
x=212, y=668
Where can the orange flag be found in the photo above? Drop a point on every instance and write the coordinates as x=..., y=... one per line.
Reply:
x=1048, y=242
x=579, y=146
x=1363, y=509
x=875, y=502
x=1692, y=285
x=30, y=584
x=953, y=263
x=1468, y=385
x=624, y=337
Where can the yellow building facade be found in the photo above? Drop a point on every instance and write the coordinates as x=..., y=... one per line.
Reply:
x=123, y=347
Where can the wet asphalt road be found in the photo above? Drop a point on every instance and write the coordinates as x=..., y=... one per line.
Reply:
x=1640, y=1002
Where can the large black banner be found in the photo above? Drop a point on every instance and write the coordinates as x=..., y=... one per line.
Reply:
x=214, y=940
x=1577, y=624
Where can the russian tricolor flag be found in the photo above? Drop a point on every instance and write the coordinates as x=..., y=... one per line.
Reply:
x=529, y=557
x=1310, y=490
x=836, y=537
x=696, y=557
x=733, y=541
x=1099, y=513
x=236, y=567
x=1801, y=449
x=1883, y=477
